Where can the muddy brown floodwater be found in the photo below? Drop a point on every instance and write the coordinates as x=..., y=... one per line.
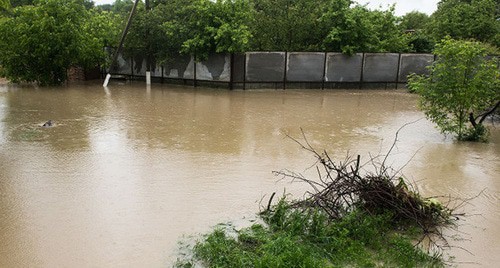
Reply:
x=127, y=172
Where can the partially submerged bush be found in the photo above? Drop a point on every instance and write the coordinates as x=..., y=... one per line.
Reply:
x=461, y=90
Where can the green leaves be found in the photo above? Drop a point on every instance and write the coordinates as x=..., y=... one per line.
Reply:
x=42, y=41
x=4, y=5
x=202, y=27
x=307, y=238
x=462, y=84
x=357, y=29
x=284, y=25
x=461, y=19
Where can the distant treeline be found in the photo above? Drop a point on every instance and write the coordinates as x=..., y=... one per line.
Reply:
x=35, y=32
x=204, y=26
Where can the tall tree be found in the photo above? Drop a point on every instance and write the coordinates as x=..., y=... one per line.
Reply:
x=414, y=24
x=122, y=6
x=414, y=21
x=39, y=43
x=291, y=25
x=359, y=29
x=466, y=19
x=202, y=27
x=4, y=4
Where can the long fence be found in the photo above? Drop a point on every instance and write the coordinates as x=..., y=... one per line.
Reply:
x=284, y=69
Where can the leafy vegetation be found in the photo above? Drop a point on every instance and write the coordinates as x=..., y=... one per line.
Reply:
x=351, y=218
x=4, y=4
x=74, y=32
x=291, y=237
x=465, y=19
x=205, y=26
x=462, y=89
x=209, y=27
x=415, y=24
x=285, y=25
x=41, y=41
x=358, y=29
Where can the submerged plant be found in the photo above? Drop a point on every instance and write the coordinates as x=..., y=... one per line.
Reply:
x=461, y=90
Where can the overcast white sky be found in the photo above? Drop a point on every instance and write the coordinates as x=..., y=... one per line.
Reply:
x=402, y=6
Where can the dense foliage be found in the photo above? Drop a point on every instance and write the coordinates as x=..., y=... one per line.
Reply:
x=202, y=27
x=284, y=25
x=4, y=4
x=41, y=41
x=467, y=19
x=415, y=25
x=462, y=89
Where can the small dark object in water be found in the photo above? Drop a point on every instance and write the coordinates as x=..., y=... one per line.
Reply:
x=47, y=124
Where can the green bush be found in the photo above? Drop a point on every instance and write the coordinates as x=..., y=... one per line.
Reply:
x=462, y=89
x=40, y=42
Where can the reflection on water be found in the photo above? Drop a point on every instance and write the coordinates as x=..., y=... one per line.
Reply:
x=128, y=170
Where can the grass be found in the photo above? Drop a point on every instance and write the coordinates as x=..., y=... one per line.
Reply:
x=292, y=237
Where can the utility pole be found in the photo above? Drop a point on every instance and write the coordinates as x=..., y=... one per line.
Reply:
x=148, y=48
x=120, y=46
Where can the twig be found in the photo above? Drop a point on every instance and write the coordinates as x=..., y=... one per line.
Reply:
x=269, y=202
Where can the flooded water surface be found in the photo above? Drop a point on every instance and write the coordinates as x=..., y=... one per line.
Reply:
x=125, y=173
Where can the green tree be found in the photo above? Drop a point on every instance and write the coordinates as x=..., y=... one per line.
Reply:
x=359, y=29
x=122, y=7
x=146, y=38
x=462, y=89
x=202, y=27
x=288, y=25
x=419, y=41
x=414, y=25
x=467, y=19
x=100, y=29
x=167, y=32
x=414, y=21
x=39, y=43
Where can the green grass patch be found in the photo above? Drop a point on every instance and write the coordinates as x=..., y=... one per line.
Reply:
x=290, y=237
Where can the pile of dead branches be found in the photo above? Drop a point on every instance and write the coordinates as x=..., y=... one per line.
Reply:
x=348, y=185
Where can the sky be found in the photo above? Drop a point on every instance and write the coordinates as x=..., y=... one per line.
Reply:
x=402, y=6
